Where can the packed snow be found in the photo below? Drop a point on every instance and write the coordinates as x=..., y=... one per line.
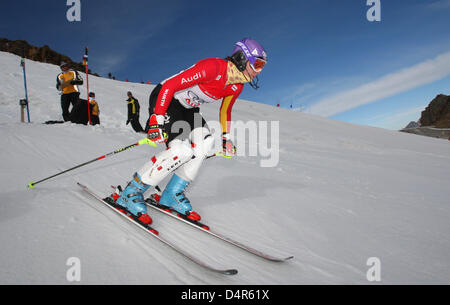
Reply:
x=336, y=196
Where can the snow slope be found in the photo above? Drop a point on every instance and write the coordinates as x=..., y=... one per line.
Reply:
x=339, y=195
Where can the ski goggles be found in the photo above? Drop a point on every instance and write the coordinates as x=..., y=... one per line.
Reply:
x=258, y=65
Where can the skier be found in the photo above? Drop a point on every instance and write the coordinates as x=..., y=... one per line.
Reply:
x=177, y=99
x=67, y=82
x=133, y=112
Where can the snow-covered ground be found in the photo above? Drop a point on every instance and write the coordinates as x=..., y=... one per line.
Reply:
x=339, y=195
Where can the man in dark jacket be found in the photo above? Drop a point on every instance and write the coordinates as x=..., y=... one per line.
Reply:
x=133, y=113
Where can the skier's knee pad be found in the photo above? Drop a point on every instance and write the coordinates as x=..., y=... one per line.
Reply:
x=154, y=171
x=202, y=142
x=181, y=149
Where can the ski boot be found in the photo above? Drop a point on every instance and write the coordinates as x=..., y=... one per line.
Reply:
x=132, y=199
x=174, y=198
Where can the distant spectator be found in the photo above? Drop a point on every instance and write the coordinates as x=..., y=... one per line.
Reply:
x=67, y=82
x=95, y=111
x=133, y=112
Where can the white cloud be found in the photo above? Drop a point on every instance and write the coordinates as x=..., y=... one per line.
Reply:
x=398, y=120
x=423, y=73
x=440, y=4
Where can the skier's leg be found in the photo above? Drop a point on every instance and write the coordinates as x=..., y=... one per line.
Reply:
x=202, y=142
x=166, y=162
x=173, y=195
x=152, y=173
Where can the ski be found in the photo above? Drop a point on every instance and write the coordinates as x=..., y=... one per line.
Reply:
x=51, y=122
x=154, y=233
x=166, y=210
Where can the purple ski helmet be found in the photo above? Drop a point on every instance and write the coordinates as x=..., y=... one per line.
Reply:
x=250, y=50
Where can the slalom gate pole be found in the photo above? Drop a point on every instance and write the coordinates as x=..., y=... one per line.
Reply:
x=143, y=141
x=22, y=63
x=85, y=63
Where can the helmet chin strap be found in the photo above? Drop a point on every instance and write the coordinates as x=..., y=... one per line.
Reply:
x=252, y=82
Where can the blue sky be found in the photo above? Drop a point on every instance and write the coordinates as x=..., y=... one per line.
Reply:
x=325, y=57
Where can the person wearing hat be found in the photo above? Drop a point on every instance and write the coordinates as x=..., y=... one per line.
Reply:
x=67, y=83
x=95, y=111
x=133, y=112
x=176, y=120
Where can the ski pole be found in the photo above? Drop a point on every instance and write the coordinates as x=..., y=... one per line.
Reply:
x=219, y=154
x=143, y=141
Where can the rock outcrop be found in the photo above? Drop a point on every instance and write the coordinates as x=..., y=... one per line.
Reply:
x=41, y=54
x=437, y=113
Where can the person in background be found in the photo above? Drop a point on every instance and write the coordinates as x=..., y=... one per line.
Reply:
x=67, y=82
x=95, y=111
x=133, y=112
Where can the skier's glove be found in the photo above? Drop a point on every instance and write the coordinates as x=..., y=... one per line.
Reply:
x=229, y=150
x=156, y=131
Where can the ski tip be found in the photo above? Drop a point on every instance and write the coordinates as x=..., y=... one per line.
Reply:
x=81, y=185
x=153, y=231
x=230, y=272
x=31, y=185
x=279, y=259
